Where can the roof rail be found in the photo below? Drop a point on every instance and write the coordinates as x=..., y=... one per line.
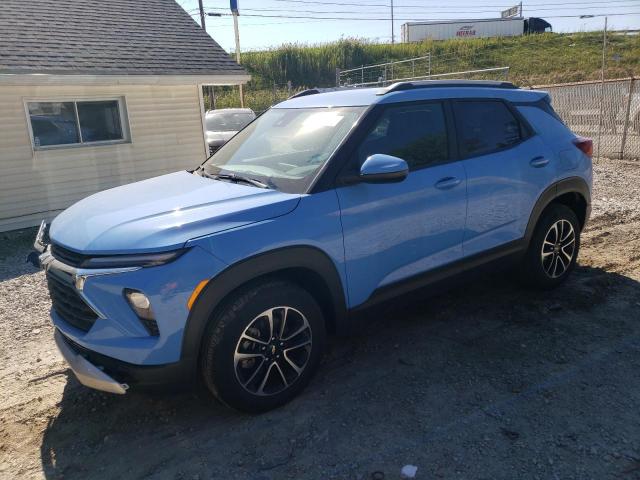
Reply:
x=400, y=86
x=315, y=90
x=304, y=93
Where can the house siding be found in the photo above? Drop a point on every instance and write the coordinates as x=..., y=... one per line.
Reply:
x=165, y=125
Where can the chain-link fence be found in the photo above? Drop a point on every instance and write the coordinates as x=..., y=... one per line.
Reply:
x=608, y=112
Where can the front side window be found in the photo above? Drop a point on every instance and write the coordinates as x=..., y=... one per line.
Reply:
x=417, y=134
x=285, y=147
x=485, y=126
x=75, y=122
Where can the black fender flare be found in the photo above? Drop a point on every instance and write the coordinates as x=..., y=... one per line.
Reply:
x=271, y=262
x=568, y=185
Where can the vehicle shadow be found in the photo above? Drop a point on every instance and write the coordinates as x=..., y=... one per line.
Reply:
x=14, y=248
x=423, y=369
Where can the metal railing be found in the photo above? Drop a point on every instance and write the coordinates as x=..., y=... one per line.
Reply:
x=477, y=74
x=384, y=73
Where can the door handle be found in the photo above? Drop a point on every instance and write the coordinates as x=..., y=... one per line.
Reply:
x=538, y=162
x=447, y=182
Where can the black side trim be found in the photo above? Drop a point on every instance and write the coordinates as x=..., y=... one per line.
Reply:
x=311, y=259
x=512, y=249
x=568, y=185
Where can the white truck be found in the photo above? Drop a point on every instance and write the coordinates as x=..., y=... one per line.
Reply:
x=481, y=28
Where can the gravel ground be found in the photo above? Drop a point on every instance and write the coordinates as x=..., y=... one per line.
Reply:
x=488, y=381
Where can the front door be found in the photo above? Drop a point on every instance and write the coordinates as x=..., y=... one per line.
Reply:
x=394, y=231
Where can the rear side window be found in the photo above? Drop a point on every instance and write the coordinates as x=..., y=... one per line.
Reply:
x=485, y=126
x=545, y=105
x=416, y=133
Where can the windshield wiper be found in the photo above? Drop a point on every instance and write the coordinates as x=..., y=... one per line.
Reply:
x=234, y=177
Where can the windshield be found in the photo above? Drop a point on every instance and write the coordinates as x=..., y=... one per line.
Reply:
x=228, y=121
x=285, y=148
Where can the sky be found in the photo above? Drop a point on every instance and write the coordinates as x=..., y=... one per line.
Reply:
x=269, y=23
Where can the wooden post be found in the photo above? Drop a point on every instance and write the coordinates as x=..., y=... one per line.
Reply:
x=604, y=52
x=393, y=35
x=626, y=118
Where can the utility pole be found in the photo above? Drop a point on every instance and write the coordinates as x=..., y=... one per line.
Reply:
x=202, y=21
x=393, y=37
x=521, y=9
x=237, y=32
x=203, y=24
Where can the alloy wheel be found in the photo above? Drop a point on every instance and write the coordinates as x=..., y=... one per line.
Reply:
x=273, y=351
x=558, y=248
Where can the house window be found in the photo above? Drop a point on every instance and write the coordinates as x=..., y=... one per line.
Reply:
x=80, y=122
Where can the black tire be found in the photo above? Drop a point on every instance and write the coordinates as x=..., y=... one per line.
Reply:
x=549, y=267
x=224, y=376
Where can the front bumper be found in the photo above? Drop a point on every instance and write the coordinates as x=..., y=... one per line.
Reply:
x=117, y=335
x=86, y=372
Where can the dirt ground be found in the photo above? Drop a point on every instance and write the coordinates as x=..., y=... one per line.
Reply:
x=488, y=381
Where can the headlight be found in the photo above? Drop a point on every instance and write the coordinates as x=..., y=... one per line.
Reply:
x=134, y=260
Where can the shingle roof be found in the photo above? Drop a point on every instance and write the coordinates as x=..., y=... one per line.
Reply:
x=116, y=37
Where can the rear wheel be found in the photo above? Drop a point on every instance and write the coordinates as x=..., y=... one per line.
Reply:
x=263, y=347
x=554, y=248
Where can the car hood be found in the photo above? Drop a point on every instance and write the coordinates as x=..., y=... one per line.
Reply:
x=218, y=138
x=162, y=213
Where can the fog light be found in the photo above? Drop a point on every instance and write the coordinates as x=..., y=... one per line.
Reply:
x=140, y=304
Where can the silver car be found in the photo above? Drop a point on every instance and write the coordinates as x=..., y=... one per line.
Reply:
x=224, y=123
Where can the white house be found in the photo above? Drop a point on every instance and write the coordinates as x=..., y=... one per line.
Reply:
x=97, y=93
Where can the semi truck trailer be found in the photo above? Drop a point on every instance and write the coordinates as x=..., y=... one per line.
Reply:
x=482, y=28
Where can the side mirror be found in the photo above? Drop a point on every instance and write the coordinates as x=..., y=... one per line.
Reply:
x=381, y=168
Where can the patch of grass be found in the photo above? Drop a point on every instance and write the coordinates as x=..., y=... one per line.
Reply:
x=545, y=57
x=533, y=60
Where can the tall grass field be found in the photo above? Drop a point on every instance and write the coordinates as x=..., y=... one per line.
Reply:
x=533, y=60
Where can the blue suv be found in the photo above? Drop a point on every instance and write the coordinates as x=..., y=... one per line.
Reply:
x=232, y=275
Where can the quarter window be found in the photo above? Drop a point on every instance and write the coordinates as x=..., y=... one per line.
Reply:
x=485, y=126
x=417, y=134
x=76, y=122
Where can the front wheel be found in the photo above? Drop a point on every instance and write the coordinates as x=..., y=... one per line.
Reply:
x=553, y=250
x=264, y=345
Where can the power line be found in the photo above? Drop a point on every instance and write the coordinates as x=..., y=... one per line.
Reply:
x=457, y=6
x=439, y=12
x=602, y=14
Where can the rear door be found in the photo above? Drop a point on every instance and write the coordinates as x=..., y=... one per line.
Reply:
x=393, y=231
x=507, y=167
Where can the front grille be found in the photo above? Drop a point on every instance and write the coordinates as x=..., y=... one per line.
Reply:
x=69, y=305
x=67, y=256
